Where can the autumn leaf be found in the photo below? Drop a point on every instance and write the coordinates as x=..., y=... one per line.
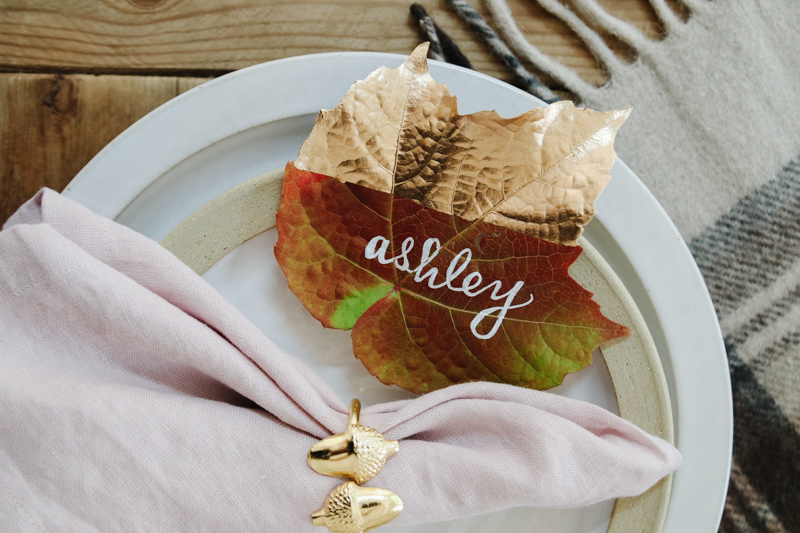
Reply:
x=400, y=219
x=434, y=299
x=399, y=131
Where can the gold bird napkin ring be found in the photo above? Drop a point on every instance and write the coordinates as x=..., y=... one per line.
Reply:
x=358, y=453
x=353, y=509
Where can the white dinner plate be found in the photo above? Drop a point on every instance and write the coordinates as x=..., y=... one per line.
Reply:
x=231, y=129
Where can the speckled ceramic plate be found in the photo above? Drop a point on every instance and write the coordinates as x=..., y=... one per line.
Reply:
x=232, y=129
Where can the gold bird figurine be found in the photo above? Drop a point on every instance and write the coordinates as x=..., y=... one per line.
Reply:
x=359, y=453
x=353, y=509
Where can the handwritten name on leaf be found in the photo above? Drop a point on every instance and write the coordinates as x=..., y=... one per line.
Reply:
x=425, y=317
x=378, y=246
x=416, y=227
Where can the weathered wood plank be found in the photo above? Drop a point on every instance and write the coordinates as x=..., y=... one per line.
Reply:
x=216, y=36
x=51, y=125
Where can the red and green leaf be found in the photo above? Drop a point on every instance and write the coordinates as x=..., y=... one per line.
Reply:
x=420, y=338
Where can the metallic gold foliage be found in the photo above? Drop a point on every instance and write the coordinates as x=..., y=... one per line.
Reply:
x=399, y=131
x=399, y=215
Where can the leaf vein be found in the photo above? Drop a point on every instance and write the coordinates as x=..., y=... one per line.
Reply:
x=458, y=334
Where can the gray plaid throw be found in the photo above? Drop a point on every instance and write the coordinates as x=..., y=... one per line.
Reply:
x=714, y=134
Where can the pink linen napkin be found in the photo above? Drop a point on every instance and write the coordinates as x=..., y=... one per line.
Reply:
x=134, y=397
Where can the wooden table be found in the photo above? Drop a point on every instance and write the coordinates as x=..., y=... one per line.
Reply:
x=76, y=73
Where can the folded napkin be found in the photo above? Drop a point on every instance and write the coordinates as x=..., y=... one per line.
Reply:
x=134, y=397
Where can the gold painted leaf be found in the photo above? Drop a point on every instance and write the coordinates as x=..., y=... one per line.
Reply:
x=398, y=131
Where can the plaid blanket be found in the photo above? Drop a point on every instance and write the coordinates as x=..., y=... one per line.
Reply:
x=714, y=135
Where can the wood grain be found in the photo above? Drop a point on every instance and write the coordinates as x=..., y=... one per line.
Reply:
x=51, y=125
x=55, y=118
x=213, y=37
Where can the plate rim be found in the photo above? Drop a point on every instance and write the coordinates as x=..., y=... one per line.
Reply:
x=109, y=198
